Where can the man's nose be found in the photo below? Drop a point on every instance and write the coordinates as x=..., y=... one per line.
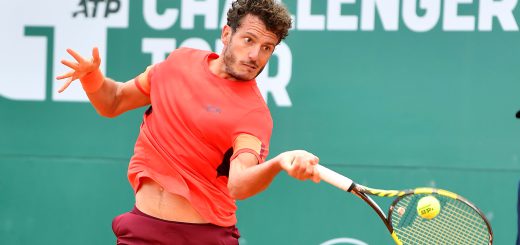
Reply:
x=253, y=53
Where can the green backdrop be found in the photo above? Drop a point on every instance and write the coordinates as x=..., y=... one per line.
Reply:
x=389, y=108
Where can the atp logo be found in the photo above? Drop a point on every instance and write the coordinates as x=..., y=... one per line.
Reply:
x=37, y=34
x=111, y=7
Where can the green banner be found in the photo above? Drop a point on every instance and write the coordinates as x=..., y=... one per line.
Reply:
x=392, y=93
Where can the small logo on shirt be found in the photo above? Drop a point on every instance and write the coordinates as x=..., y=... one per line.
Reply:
x=213, y=109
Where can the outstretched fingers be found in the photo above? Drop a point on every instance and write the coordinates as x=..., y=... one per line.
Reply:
x=66, y=85
x=79, y=68
x=68, y=74
x=70, y=64
x=71, y=76
x=76, y=56
x=95, y=56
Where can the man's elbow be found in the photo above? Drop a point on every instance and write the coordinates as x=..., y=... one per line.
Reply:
x=107, y=114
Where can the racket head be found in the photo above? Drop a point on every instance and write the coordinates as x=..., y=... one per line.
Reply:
x=458, y=222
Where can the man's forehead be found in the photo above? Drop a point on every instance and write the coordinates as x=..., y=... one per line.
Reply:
x=254, y=25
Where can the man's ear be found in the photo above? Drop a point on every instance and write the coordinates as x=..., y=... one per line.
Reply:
x=225, y=36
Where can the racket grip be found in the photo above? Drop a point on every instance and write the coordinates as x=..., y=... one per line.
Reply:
x=334, y=178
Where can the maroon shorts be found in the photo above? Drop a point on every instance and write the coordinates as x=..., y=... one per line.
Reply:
x=136, y=228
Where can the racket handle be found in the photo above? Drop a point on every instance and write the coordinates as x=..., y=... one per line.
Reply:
x=334, y=178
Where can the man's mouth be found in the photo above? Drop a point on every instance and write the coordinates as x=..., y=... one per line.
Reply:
x=251, y=66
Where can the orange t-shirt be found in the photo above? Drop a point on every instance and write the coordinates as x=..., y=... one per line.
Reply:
x=187, y=135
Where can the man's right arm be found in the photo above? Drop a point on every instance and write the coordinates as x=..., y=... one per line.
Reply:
x=114, y=98
x=109, y=98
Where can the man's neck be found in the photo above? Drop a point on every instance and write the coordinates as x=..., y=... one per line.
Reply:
x=217, y=67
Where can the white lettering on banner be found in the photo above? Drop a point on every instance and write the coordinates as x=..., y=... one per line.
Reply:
x=503, y=10
x=206, y=8
x=307, y=21
x=158, y=48
x=189, y=10
x=47, y=28
x=157, y=21
x=275, y=85
x=423, y=23
x=338, y=22
x=388, y=12
x=223, y=19
x=453, y=21
x=197, y=43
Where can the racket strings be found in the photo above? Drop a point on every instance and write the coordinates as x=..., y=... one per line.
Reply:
x=451, y=231
x=450, y=234
x=457, y=223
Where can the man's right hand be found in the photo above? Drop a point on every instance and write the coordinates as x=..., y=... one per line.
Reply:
x=80, y=68
x=300, y=164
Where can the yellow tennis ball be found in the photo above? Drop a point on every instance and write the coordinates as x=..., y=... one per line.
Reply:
x=428, y=207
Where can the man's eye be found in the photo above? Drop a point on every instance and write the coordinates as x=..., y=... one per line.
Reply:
x=267, y=48
x=247, y=39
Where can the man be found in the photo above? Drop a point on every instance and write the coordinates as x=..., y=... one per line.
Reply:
x=204, y=139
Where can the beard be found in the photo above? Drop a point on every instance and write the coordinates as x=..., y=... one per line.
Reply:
x=230, y=60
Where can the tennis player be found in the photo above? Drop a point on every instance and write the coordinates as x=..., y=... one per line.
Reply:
x=204, y=139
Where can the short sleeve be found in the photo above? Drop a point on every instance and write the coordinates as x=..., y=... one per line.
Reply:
x=253, y=133
x=154, y=71
x=143, y=82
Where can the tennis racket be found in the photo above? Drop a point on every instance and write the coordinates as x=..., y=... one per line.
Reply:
x=458, y=222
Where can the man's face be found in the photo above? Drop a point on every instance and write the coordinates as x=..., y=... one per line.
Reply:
x=247, y=50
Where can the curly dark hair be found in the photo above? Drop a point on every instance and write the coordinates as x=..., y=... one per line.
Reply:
x=275, y=15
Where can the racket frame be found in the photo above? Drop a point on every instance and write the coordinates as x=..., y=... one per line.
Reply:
x=362, y=192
